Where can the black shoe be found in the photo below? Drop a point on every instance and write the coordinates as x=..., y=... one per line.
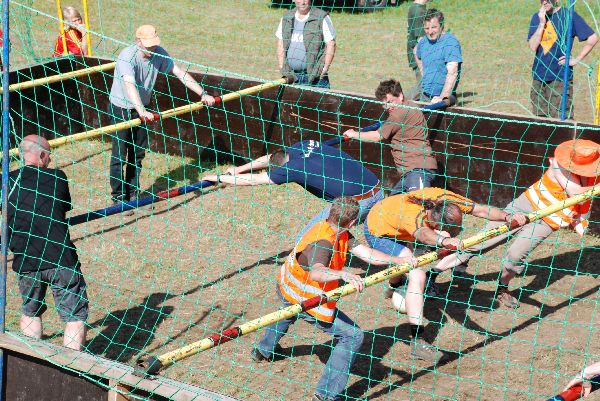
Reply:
x=319, y=397
x=257, y=356
x=432, y=290
x=147, y=207
x=117, y=202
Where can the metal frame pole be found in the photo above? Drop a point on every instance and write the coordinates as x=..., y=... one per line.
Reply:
x=567, y=72
x=5, y=165
x=86, y=19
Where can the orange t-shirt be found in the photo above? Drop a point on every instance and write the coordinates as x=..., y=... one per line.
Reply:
x=399, y=218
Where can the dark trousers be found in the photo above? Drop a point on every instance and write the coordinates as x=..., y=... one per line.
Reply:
x=128, y=150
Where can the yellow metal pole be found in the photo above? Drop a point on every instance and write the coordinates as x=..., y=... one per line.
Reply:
x=165, y=114
x=597, y=111
x=153, y=365
x=60, y=77
x=87, y=27
x=62, y=28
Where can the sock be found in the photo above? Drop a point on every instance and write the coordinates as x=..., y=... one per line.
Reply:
x=415, y=330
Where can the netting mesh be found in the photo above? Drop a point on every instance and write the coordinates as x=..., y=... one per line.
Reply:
x=189, y=265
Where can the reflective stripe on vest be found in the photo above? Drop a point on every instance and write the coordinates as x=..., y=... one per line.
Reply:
x=294, y=282
x=546, y=192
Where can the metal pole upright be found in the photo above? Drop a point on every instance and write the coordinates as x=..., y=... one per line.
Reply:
x=5, y=164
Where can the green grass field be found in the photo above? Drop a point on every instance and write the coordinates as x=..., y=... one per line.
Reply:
x=238, y=36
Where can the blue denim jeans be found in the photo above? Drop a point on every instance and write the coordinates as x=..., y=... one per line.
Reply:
x=418, y=178
x=365, y=206
x=302, y=79
x=349, y=338
x=386, y=245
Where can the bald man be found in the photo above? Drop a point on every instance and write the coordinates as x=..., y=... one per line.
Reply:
x=38, y=236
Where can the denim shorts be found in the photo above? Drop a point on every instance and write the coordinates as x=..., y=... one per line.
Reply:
x=68, y=288
x=389, y=246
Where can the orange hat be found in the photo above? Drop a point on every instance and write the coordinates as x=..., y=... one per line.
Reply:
x=579, y=156
x=147, y=35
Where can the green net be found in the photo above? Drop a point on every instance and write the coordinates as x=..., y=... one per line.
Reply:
x=187, y=266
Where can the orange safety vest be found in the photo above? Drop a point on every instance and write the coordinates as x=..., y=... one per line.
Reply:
x=294, y=282
x=546, y=192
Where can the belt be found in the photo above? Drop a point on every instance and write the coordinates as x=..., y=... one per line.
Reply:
x=368, y=194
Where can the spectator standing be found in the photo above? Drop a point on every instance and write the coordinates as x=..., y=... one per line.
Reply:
x=75, y=34
x=439, y=57
x=547, y=38
x=306, y=44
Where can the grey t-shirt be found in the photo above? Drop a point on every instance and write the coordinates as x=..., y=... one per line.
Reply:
x=144, y=70
x=296, y=54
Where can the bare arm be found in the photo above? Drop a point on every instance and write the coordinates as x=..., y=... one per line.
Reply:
x=240, y=179
x=191, y=84
x=418, y=61
x=258, y=164
x=451, y=77
x=322, y=274
x=428, y=236
x=84, y=43
x=329, y=54
x=371, y=136
x=587, y=48
x=280, y=54
x=495, y=214
x=536, y=38
x=378, y=258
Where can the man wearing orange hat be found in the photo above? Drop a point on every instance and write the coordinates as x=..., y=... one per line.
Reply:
x=130, y=95
x=573, y=170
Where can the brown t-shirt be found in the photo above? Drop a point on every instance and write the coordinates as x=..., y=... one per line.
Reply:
x=406, y=130
x=320, y=252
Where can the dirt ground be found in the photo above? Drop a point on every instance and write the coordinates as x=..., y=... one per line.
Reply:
x=198, y=264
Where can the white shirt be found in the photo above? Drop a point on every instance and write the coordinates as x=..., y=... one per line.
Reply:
x=328, y=30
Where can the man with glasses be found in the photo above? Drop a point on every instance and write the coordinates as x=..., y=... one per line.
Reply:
x=547, y=38
x=130, y=95
x=406, y=130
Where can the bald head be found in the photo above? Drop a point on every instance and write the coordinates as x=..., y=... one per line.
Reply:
x=35, y=151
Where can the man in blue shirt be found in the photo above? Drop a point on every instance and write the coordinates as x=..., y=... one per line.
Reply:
x=439, y=57
x=548, y=39
x=325, y=171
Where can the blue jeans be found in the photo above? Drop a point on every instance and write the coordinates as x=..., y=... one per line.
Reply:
x=418, y=178
x=302, y=79
x=349, y=339
x=365, y=205
x=386, y=245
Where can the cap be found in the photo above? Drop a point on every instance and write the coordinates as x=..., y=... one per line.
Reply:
x=147, y=35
